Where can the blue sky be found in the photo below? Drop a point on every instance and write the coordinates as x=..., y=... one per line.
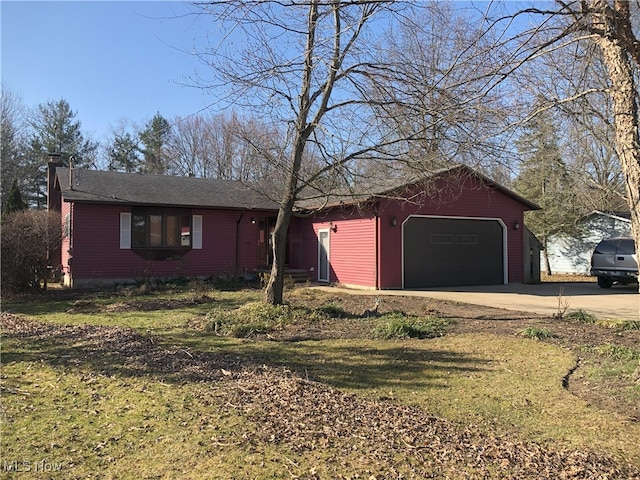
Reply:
x=110, y=60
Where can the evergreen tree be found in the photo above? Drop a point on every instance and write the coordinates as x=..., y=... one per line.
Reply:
x=55, y=129
x=13, y=143
x=154, y=138
x=544, y=179
x=14, y=200
x=123, y=153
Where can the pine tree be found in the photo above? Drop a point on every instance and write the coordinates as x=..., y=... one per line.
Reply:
x=55, y=130
x=123, y=153
x=154, y=138
x=14, y=200
x=544, y=179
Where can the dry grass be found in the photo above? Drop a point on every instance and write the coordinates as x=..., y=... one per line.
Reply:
x=112, y=402
x=566, y=277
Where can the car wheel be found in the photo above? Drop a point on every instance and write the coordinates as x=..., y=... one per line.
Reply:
x=605, y=282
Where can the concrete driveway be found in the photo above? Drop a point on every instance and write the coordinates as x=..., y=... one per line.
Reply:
x=619, y=302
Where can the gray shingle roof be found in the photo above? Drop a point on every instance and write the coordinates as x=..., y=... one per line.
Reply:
x=94, y=186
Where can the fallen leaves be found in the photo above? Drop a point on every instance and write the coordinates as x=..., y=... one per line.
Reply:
x=377, y=439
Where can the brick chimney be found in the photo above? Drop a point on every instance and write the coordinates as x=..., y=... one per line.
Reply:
x=54, y=197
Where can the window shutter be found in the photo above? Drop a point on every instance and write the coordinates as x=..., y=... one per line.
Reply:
x=67, y=225
x=197, y=232
x=125, y=230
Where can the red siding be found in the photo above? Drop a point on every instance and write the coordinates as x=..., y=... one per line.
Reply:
x=356, y=238
x=97, y=254
x=354, y=266
x=303, y=245
x=353, y=245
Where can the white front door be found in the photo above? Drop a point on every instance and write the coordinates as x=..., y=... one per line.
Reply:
x=323, y=255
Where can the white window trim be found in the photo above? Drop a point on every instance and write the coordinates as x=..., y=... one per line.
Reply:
x=125, y=230
x=328, y=272
x=196, y=241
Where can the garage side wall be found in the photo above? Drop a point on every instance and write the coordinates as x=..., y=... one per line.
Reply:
x=352, y=246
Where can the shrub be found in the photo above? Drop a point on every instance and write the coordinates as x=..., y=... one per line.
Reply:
x=537, y=333
x=581, y=316
x=263, y=311
x=28, y=237
x=584, y=317
x=630, y=324
x=621, y=324
x=249, y=319
x=399, y=325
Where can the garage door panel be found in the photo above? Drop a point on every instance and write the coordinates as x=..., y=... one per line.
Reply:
x=448, y=252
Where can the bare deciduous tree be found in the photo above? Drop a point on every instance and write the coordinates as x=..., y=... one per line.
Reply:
x=203, y=146
x=610, y=26
x=307, y=67
x=334, y=87
x=587, y=124
x=28, y=238
x=445, y=97
x=574, y=26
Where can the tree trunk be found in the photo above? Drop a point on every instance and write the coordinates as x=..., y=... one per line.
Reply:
x=275, y=287
x=274, y=291
x=545, y=249
x=624, y=94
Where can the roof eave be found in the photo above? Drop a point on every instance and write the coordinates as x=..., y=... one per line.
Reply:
x=165, y=205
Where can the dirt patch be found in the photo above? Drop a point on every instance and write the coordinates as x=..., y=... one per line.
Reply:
x=464, y=318
x=359, y=315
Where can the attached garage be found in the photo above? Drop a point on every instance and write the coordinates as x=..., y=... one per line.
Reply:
x=453, y=228
x=453, y=251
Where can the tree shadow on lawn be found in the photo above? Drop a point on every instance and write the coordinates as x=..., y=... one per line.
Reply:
x=117, y=351
x=88, y=304
x=364, y=364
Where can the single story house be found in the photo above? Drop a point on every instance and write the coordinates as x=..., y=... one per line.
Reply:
x=456, y=227
x=572, y=254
